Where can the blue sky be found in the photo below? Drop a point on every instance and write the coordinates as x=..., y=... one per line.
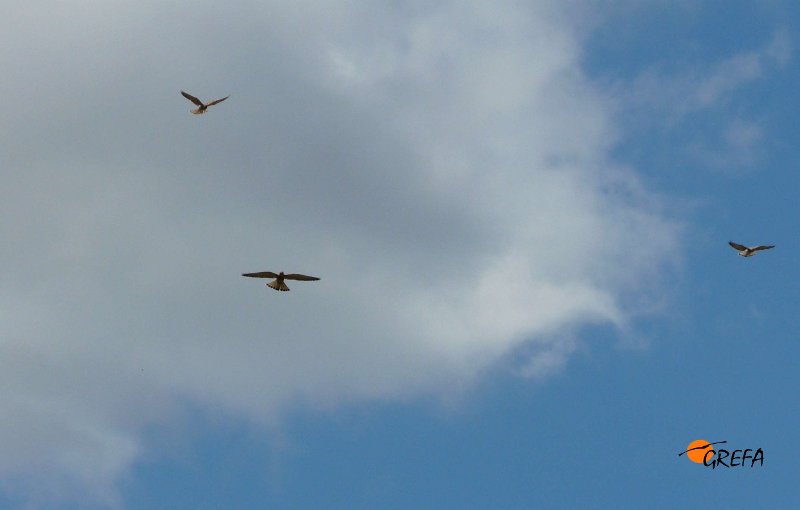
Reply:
x=520, y=213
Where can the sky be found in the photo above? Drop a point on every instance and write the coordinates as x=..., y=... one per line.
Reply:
x=519, y=212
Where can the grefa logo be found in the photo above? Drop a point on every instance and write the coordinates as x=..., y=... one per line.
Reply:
x=703, y=452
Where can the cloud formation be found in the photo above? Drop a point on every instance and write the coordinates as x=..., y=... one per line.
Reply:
x=692, y=87
x=689, y=106
x=445, y=170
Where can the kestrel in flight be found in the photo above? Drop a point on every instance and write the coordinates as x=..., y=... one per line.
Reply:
x=201, y=108
x=277, y=283
x=744, y=251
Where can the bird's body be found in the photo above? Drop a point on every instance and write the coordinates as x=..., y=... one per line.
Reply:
x=201, y=107
x=745, y=251
x=278, y=282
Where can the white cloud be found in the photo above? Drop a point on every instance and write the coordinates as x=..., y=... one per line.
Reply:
x=693, y=86
x=676, y=101
x=445, y=170
x=740, y=146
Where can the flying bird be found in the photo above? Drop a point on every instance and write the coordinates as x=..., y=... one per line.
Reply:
x=744, y=251
x=201, y=108
x=277, y=283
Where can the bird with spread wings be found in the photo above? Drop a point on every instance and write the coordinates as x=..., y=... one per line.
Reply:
x=745, y=251
x=278, y=283
x=201, y=107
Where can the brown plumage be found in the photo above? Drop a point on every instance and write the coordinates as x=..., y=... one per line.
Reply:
x=278, y=282
x=744, y=251
x=201, y=107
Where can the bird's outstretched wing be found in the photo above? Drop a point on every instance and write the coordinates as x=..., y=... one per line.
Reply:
x=217, y=101
x=737, y=246
x=263, y=274
x=192, y=98
x=301, y=277
x=762, y=247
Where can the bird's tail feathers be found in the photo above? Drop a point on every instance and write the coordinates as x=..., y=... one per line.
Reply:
x=277, y=285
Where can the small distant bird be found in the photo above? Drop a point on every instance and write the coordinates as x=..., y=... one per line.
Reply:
x=744, y=251
x=201, y=108
x=277, y=283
